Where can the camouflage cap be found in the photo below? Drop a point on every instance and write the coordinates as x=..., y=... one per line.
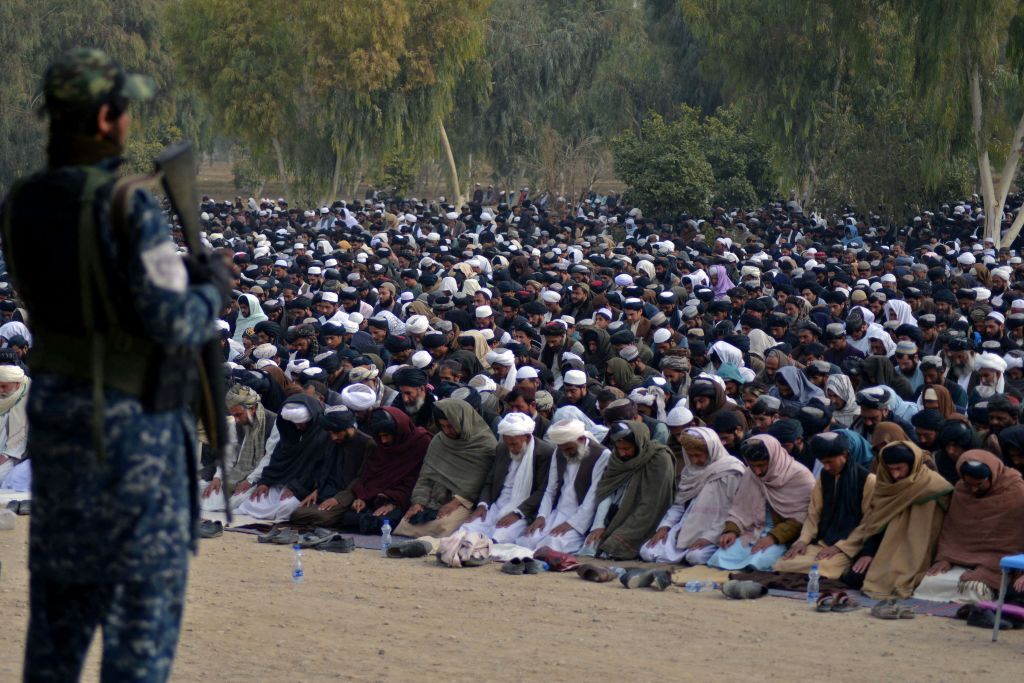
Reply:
x=84, y=78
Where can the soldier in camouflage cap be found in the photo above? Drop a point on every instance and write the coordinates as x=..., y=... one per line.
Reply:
x=112, y=516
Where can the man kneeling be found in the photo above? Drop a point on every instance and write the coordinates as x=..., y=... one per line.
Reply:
x=516, y=483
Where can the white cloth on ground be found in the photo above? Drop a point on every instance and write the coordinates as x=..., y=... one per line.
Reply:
x=947, y=587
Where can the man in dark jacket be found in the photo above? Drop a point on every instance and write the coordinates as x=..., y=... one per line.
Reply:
x=513, y=490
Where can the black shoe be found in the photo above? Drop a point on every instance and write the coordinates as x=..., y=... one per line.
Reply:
x=25, y=507
x=286, y=537
x=315, y=538
x=210, y=529
x=337, y=544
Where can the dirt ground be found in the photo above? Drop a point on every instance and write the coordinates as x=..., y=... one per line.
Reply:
x=361, y=617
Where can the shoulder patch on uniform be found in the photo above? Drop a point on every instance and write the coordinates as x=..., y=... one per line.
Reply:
x=164, y=267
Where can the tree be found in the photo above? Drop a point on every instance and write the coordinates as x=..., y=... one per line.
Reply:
x=969, y=62
x=35, y=32
x=664, y=166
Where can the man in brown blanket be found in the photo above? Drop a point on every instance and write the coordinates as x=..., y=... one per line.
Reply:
x=983, y=525
x=633, y=494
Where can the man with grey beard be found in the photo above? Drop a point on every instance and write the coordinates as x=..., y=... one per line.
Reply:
x=414, y=397
x=961, y=364
x=570, y=500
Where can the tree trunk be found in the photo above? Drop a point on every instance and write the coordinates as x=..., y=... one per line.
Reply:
x=453, y=171
x=993, y=216
x=282, y=172
x=1014, y=230
x=336, y=179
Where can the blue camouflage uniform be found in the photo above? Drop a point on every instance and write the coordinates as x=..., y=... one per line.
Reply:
x=111, y=528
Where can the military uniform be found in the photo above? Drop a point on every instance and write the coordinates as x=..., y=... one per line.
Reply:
x=113, y=513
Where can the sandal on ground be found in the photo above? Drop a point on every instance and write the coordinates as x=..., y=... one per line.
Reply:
x=887, y=610
x=825, y=601
x=409, y=549
x=743, y=590
x=662, y=579
x=844, y=603
x=592, y=572
x=986, y=618
x=637, y=578
x=514, y=566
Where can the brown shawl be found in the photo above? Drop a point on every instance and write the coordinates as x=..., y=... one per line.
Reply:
x=978, y=532
x=910, y=513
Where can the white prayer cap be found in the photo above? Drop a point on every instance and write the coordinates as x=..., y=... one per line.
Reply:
x=662, y=335
x=363, y=373
x=990, y=361
x=680, y=416
x=1014, y=361
x=356, y=317
x=484, y=312
x=1004, y=273
x=604, y=312
x=264, y=363
x=329, y=297
x=486, y=217
x=417, y=324
x=297, y=366
x=11, y=374
x=550, y=297
x=623, y=280
x=451, y=215
x=997, y=316
x=314, y=270
x=966, y=259
x=350, y=326
x=296, y=413
x=264, y=351
x=298, y=245
x=888, y=277
x=750, y=272
x=516, y=424
x=1017, y=305
x=575, y=378
x=410, y=219
x=526, y=372
x=324, y=209
x=280, y=263
x=482, y=383
x=358, y=397
x=501, y=357
x=222, y=325
x=421, y=359
x=566, y=431
x=406, y=296
x=983, y=294
x=204, y=216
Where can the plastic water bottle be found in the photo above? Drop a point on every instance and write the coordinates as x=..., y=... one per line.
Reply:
x=385, y=537
x=694, y=586
x=813, y=581
x=297, y=574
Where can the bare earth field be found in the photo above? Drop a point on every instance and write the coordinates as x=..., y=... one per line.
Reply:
x=361, y=617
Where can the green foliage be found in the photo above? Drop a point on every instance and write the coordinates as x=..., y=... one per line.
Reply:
x=396, y=173
x=34, y=32
x=688, y=164
x=664, y=166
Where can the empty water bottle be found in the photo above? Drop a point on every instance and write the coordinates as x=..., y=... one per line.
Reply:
x=694, y=586
x=813, y=583
x=297, y=573
x=385, y=537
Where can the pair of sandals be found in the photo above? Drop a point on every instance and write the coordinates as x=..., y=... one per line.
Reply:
x=837, y=602
x=519, y=566
x=891, y=610
x=658, y=579
x=20, y=507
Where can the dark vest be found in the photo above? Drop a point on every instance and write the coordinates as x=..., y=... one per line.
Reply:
x=69, y=271
x=583, y=475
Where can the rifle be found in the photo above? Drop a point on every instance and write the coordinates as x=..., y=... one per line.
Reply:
x=176, y=166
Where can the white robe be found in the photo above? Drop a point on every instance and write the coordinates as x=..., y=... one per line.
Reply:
x=578, y=514
x=488, y=524
x=271, y=507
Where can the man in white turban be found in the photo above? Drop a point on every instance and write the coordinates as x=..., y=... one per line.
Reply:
x=516, y=483
x=360, y=399
x=503, y=368
x=990, y=369
x=14, y=465
x=570, y=499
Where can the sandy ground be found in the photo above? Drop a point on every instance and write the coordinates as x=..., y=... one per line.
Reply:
x=361, y=617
